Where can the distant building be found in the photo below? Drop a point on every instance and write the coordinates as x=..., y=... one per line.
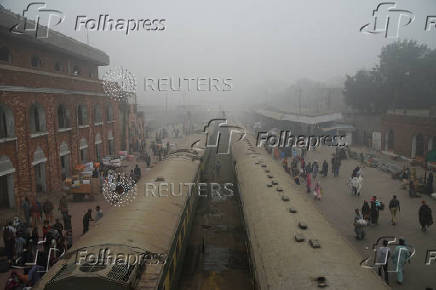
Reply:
x=410, y=133
x=53, y=112
x=367, y=128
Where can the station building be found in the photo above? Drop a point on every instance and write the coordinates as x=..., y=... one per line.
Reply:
x=409, y=133
x=53, y=111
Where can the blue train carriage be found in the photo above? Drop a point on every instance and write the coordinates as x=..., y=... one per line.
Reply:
x=291, y=244
x=154, y=226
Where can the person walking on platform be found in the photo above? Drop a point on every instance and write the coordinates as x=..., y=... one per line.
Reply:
x=430, y=183
x=374, y=211
x=394, y=207
x=359, y=225
x=325, y=168
x=382, y=259
x=217, y=167
x=425, y=216
x=47, y=207
x=87, y=217
x=366, y=211
x=399, y=258
x=308, y=182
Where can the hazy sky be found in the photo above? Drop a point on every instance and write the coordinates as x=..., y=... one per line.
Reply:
x=256, y=43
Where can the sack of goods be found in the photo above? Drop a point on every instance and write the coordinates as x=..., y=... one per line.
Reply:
x=380, y=205
x=362, y=222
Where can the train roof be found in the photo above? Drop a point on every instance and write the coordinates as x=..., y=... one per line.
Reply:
x=280, y=261
x=148, y=223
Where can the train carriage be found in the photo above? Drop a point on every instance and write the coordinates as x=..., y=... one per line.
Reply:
x=292, y=246
x=153, y=224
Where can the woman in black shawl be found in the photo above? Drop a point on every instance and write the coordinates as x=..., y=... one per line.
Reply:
x=425, y=216
x=366, y=210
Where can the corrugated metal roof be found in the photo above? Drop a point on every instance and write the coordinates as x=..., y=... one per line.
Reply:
x=311, y=120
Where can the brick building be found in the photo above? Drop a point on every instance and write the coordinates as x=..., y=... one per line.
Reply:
x=409, y=133
x=53, y=112
x=367, y=128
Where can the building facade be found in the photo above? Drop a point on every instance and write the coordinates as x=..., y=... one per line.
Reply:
x=409, y=133
x=53, y=112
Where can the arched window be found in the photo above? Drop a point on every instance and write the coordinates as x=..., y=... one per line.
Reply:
x=7, y=123
x=97, y=114
x=36, y=61
x=64, y=153
x=83, y=150
x=76, y=70
x=5, y=54
x=37, y=118
x=64, y=117
x=109, y=113
x=82, y=115
x=38, y=163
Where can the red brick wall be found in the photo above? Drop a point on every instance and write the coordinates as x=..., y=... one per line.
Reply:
x=404, y=128
x=19, y=72
x=29, y=79
x=21, y=54
x=21, y=151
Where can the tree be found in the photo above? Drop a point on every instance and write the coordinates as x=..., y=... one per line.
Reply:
x=402, y=79
x=362, y=91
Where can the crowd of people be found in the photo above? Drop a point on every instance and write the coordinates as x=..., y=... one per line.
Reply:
x=30, y=240
x=305, y=172
x=302, y=171
x=40, y=237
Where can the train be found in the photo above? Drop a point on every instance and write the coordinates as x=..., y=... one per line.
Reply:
x=291, y=244
x=154, y=227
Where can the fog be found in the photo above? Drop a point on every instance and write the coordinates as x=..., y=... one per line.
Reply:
x=263, y=46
